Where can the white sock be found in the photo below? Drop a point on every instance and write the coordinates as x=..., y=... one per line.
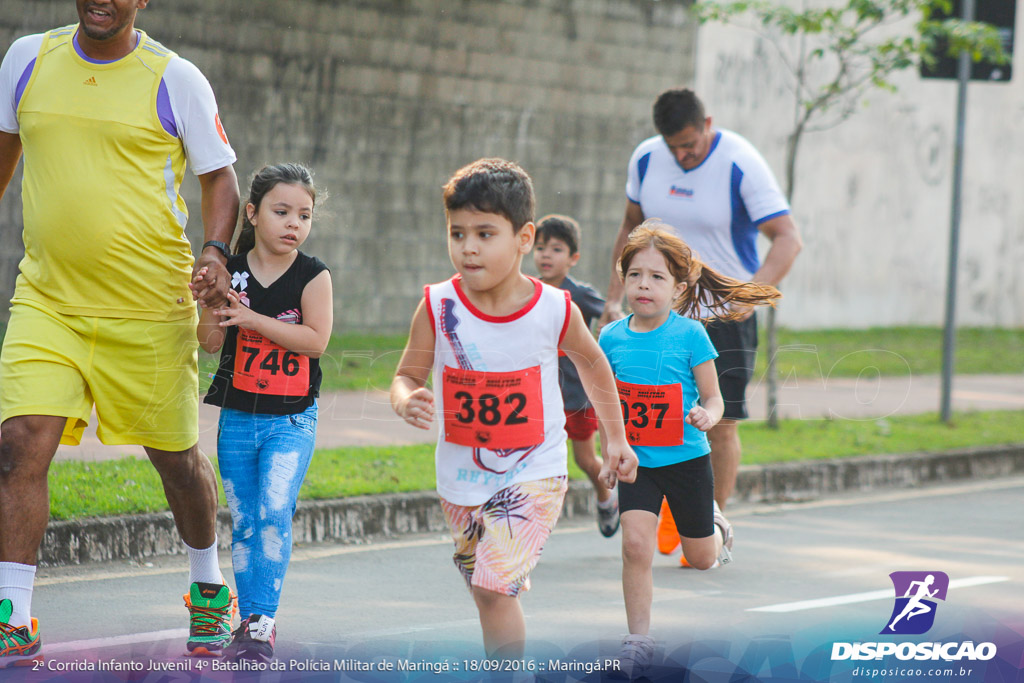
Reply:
x=610, y=503
x=16, y=582
x=721, y=529
x=203, y=565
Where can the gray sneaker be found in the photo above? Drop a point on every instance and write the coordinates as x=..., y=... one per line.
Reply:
x=635, y=656
x=608, y=517
x=725, y=554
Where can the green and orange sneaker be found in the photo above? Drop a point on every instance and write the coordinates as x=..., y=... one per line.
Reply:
x=211, y=608
x=18, y=645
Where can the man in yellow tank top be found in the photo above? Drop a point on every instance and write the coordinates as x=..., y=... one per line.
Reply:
x=102, y=313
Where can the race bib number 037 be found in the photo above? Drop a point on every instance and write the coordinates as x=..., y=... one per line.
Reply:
x=263, y=367
x=494, y=410
x=653, y=414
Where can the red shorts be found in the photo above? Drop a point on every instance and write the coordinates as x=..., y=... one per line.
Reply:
x=580, y=425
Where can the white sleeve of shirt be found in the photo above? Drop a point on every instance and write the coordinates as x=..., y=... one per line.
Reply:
x=633, y=175
x=195, y=115
x=17, y=59
x=759, y=189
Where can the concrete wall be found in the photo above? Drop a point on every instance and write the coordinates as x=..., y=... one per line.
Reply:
x=873, y=195
x=386, y=99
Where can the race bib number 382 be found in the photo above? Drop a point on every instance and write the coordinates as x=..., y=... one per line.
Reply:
x=263, y=367
x=653, y=414
x=494, y=410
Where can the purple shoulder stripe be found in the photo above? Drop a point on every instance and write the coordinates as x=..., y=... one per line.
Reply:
x=19, y=89
x=164, y=111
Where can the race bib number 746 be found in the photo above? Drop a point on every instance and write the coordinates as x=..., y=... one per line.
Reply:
x=263, y=367
x=653, y=414
x=493, y=409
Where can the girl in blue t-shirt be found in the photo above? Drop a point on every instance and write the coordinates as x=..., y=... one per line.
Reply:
x=668, y=388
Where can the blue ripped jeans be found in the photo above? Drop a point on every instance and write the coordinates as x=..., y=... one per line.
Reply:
x=263, y=460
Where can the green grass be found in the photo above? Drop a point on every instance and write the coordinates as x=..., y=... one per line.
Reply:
x=111, y=487
x=361, y=361
x=363, y=470
x=130, y=485
x=358, y=362
x=893, y=351
x=813, y=439
x=351, y=362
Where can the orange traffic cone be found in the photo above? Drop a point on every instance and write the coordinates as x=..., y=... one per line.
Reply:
x=668, y=536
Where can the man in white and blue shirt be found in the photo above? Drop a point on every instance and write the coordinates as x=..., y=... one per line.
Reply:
x=718, y=193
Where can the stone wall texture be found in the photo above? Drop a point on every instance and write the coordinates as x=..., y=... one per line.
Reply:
x=385, y=99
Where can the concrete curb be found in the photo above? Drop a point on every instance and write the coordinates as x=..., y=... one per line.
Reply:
x=364, y=518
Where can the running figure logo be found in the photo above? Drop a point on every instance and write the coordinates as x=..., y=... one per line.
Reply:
x=916, y=593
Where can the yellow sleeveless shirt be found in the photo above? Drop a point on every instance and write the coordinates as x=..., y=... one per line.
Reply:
x=104, y=220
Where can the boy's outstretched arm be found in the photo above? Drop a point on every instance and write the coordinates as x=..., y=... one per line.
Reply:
x=410, y=397
x=619, y=460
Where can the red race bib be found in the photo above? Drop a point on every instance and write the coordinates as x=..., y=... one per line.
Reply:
x=652, y=413
x=493, y=410
x=263, y=367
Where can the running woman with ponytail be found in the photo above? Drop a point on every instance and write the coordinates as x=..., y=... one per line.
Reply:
x=664, y=364
x=271, y=333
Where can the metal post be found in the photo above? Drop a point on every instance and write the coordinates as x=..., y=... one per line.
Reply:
x=949, y=333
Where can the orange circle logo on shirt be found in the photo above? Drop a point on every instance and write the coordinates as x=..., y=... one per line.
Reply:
x=220, y=129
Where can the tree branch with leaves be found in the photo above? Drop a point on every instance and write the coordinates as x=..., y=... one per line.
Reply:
x=834, y=55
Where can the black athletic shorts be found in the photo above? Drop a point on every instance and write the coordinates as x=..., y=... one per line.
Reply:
x=689, y=487
x=736, y=343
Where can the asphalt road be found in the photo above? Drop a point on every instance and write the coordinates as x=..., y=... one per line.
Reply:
x=804, y=576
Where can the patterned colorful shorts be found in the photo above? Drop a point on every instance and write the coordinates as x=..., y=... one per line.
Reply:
x=497, y=544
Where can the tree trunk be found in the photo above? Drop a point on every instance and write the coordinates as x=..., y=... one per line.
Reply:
x=771, y=336
x=772, y=372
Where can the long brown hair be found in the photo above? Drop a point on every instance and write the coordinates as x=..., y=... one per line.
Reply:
x=265, y=180
x=704, y=286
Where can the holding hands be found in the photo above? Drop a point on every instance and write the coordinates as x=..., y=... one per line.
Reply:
x=210, y=282
x=231, y=310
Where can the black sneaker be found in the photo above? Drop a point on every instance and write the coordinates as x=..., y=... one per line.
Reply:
x=253, y=640
x=237, y=636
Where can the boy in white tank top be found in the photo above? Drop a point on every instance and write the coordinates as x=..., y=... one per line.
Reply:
x=491, y=336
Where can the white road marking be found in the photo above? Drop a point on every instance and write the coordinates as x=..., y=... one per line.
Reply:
x=400, y=630
x=97, y=643
x=867, y=597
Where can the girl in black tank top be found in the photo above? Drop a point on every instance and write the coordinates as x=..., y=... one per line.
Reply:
x=271, y=333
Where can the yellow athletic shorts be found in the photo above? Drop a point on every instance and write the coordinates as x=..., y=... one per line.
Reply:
x=142, y=375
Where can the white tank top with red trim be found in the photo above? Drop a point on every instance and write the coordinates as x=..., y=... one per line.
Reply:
x=496, y=392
